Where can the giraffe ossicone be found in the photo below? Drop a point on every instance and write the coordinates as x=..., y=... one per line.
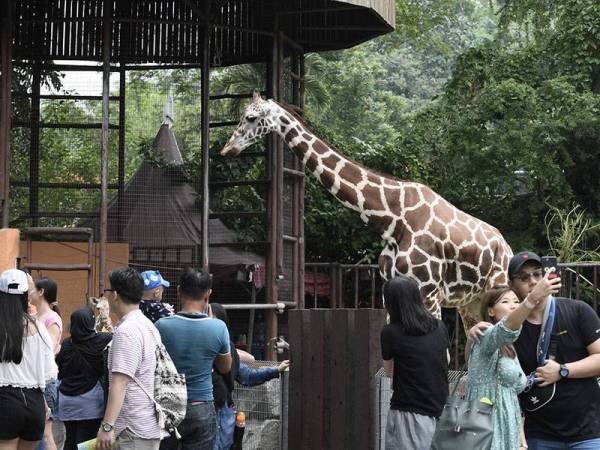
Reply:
x=451, y=254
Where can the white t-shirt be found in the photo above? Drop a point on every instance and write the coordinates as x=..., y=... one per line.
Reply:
x=37, y=366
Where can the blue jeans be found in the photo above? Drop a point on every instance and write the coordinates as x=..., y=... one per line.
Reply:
x=197, y=430
x=225, y=428
x=540, y=444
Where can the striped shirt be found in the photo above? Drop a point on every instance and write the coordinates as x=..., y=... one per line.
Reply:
x=133, y=353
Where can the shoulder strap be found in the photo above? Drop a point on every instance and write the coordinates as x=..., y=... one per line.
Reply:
x=543, y=343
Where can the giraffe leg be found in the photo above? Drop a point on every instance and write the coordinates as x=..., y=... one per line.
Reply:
x=469, y=314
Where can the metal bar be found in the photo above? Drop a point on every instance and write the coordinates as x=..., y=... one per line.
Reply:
x=251, y=315
x=225, y=123
x=288, y=41
x=356, y=275
x=320, y=10
x=239, y=244
x=222, y=214
x=64, y=67
x=58, y=267
x=315, y=287
x=577, y=286
x=231, y=96
x=58, y=215
x=64, y=97
x=343, y=28
x=270, y=306
x=456, y=331
x=43, y=184
x=595, y=289
x=82, y=126
x=293, y=172
x=106, y=49
x=373, y=275
x=222, y=184
x=273, y=199
x=205, y=144
x=90, y=284
x=121, y=163
x=40, y=231
x=5, y=112
x=34, y=146
x=242, y=155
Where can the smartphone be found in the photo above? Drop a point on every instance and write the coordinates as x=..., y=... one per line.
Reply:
x=550, y=265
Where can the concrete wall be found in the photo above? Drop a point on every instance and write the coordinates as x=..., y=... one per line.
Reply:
x=72, y=286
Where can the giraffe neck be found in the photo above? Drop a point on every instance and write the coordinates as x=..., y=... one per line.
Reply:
x=355, y=186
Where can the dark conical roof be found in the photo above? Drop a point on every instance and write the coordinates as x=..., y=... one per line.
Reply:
x=160, y=208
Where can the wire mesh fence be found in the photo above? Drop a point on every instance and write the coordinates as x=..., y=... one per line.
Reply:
x=265, y=407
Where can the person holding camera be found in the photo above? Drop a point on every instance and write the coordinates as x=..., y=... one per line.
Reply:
x=570, y=417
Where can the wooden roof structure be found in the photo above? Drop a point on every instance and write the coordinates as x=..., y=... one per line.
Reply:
x=122, y=35
x=172, y=31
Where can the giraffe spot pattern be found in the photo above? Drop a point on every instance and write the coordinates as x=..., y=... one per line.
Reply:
x=451, y=254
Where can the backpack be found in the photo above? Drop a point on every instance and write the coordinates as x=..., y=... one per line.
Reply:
x=170, y=392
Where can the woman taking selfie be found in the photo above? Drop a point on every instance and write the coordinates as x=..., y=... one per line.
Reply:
x=495, y=375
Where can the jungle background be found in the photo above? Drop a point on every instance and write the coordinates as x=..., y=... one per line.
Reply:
x=493, y=104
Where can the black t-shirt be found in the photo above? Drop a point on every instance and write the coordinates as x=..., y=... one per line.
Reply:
x=420, y=381
x=574, y=412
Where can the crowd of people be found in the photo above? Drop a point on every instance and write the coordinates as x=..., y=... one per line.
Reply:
x=96, y=384
x=535, y=358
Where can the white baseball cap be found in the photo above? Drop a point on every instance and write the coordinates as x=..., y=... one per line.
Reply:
x=14, y=281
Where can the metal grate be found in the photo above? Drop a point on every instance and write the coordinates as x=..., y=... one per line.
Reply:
x=263, y=406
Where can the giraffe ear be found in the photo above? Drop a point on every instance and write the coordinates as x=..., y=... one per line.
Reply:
x=256, y=96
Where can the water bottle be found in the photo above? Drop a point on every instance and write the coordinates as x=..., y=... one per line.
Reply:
x=238, y=433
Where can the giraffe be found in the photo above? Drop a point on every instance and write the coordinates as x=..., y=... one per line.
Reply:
x=451, y=254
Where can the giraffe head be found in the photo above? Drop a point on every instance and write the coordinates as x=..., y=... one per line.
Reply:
x=256, y=122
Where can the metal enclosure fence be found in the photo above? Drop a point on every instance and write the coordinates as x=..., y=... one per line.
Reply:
x=266, y=408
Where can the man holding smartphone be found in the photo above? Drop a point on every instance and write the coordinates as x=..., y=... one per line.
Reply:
x=571, y=420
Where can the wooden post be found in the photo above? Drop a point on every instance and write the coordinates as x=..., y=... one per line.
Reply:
x=205, y=126
x=335, y=355
x=106, y=49
x=5, y=112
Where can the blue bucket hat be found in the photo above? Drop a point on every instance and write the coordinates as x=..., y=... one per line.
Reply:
x=152, y=279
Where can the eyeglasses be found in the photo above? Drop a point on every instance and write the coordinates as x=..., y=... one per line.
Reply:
x=525, y=276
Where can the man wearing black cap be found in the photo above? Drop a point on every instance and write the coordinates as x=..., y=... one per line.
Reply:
x=571, y=420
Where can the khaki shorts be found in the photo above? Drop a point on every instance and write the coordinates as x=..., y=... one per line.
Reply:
x=126, y=440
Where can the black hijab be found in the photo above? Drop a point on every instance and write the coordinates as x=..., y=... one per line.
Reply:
x=80, y=360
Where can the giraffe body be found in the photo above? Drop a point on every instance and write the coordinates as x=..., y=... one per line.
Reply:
x=452, y=255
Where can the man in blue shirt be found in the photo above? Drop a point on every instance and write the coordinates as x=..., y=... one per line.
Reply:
x=196, y=342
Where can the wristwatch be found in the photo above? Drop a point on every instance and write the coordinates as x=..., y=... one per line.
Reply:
x=563, y=372
x=107, y=427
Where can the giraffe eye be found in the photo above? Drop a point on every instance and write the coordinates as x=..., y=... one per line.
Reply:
x=250, y=118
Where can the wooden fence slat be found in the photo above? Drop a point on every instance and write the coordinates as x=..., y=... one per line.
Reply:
x=295, y=387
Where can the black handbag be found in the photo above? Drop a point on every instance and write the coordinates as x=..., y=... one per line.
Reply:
x=464, y=424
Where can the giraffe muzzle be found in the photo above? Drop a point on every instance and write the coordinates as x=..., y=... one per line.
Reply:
x=230, y=150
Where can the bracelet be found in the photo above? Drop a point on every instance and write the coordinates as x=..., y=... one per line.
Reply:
x=528, y=305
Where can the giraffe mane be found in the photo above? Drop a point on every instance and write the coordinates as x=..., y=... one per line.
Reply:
x=288, y=108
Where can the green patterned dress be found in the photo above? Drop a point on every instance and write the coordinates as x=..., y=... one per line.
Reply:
x=511, y=381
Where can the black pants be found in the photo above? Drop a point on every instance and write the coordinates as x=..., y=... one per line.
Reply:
x=80, y=431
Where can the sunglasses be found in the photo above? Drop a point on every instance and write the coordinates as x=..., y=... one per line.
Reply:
x=526, y=276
